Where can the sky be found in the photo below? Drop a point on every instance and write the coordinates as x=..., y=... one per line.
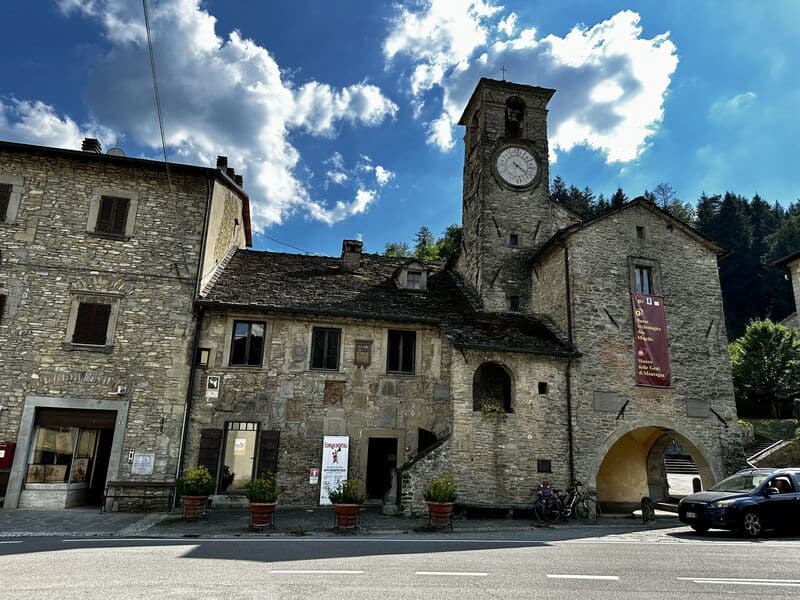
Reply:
x=342, y=115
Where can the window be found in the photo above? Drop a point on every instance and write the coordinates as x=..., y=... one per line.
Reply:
x=112, y=215
x=644, y=279
x=543, y=387
x=544, y=465
x=414, y=280
x=400, y=355
x=91, y=324
x=513, y=240
x=247, y=346
x=5, y=199
x=491, y=389
x=640, y=232
x=513, y=303
x=325, y=348
x=2, y=306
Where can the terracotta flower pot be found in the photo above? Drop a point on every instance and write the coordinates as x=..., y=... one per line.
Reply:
x=347, y=515
x=261, y=513
x=441, y=513
x=194, y=507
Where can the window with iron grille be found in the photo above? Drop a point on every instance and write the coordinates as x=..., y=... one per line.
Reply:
x=5, y=199
x=325, y=348
x=247, y=346
x=400, y=356
x=91, y=324
x=112, y=215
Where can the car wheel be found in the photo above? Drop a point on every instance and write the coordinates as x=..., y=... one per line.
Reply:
x=751, y=525
x=700, y=528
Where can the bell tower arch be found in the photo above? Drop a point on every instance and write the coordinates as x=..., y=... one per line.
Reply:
x=506, y=212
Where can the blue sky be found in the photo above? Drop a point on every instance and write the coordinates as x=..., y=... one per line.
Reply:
x=340, y=114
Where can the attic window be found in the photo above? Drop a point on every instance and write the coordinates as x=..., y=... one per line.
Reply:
x=414, y=280
x=640, y=232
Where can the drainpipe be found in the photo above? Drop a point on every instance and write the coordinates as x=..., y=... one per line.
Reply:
x=570, y=433
x=197, y=312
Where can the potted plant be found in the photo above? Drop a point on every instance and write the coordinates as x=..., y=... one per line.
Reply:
x=262, y=493
x=440, y=496
x=347, y=501
x=194, y=486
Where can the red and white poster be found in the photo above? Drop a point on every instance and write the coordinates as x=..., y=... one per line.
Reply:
x=334, y=464
x=650, y=341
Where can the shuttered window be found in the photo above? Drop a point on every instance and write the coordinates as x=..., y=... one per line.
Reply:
x=91, y=324
x=210, y=448
x=5, y=199
x=325, y=348
x=400, y=357
x=269, y=441
x=112, y=215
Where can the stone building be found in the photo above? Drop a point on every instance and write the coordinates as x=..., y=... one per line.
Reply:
x=101, y=258
x=548, y=347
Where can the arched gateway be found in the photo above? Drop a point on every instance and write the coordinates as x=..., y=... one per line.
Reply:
x=629, y=464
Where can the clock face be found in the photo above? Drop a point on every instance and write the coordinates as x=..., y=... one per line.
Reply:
x=517, y=166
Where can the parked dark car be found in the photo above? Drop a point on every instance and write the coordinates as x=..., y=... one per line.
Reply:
x=749, y=501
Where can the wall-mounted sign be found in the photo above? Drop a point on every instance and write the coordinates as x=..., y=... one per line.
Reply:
x=239, y=446
x=313, y=476
x=650, y=341
x=335, y=450
x=212, y=386
x=363, y=354
x=143, y=464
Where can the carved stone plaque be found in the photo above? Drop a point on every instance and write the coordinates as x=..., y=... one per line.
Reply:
x=363, y=353
x=334, y=392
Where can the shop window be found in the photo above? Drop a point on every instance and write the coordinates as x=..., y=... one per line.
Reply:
x=325, y=343
x=491, y=388
x=400, y=356
x=247, y=345
x=643, y=279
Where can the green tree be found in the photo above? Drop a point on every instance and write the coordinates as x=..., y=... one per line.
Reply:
x=397, y=249
x=766, y=367
x=450, y=242
x=425, y=247
x=785, y=240
x=664, y=196
x=618, y=199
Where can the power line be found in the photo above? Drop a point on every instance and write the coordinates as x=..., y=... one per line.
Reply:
x=284, y=243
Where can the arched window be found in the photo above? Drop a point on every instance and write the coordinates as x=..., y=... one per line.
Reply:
x=515, y=116
x=491, y=388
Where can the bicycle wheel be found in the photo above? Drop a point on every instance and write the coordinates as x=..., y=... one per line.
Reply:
x=588, y=510
x=547, y=510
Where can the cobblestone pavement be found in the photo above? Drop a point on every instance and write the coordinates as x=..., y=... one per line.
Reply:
x=288, y=522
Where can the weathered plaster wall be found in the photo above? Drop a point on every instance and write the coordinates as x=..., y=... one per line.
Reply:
x=225, y=230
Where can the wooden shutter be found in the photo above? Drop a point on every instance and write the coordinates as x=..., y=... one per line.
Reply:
x=105, y=214
x=120, y=215
x=210, y=447
x=91, y=324
x=269, y=441
x=5, y=198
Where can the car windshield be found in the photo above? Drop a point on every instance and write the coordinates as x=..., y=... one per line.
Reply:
x=741, y=482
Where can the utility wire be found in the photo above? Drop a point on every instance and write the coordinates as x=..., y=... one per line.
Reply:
x=284, y=243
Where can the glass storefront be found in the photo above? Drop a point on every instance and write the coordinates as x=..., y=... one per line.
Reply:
x=62, y=455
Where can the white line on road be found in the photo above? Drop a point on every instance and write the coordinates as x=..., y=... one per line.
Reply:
x=600, y=577
x=314, y=572
x=737, y=581
x=14, y=542
x=452, y=573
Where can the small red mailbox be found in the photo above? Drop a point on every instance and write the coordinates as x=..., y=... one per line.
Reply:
x=6, y=454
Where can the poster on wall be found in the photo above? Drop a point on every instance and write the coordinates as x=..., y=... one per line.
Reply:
x=335, y=449
x=650, y=341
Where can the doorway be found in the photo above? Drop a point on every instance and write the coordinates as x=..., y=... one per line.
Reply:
x=381, y=459
x=239, y=458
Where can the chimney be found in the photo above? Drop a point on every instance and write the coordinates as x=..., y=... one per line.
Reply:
x=222, y=162
x=91, y=145
x=239, y=180
x=351, y=254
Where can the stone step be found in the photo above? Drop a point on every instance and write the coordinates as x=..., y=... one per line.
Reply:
x=228, y=502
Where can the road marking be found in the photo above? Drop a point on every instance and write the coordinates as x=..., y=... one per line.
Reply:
x=13, y=542
x=737, y=581
x=314, y=572
x=452, y=573
x=600, y=577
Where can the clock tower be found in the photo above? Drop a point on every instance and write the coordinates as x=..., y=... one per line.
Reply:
x=507, y=212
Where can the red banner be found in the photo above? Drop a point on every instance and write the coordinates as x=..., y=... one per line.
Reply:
x=650, y=341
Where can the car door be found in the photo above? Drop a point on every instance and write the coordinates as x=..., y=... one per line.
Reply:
x=794, y=511
x=778, y=509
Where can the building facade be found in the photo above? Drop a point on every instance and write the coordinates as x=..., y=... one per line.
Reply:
x=525, y=357
x=101, y=257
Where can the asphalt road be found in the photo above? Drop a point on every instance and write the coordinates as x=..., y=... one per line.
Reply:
x=673, y=564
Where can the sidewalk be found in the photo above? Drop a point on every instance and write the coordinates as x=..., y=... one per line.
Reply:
x=288, y=522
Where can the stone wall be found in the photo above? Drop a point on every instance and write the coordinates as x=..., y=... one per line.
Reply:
x=304, y=405
x=225, y=230
x=48, y=259
x=685, y=271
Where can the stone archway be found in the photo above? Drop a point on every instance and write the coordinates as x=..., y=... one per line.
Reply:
x=629, y=464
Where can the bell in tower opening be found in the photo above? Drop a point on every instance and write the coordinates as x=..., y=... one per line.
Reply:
x=515, y=116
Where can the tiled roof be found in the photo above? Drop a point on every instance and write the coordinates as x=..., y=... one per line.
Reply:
x=299, y=284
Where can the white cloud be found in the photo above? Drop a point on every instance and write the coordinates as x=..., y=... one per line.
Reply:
x=382, y=175
x=337, y=177
x=342, y=210
x=38, y=123
x=508, y=25
x=728, y=108
x=611, y=81
x=220, y=96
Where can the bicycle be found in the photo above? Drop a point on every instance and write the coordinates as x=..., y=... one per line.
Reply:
x=548, y=506
x=578, y=502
